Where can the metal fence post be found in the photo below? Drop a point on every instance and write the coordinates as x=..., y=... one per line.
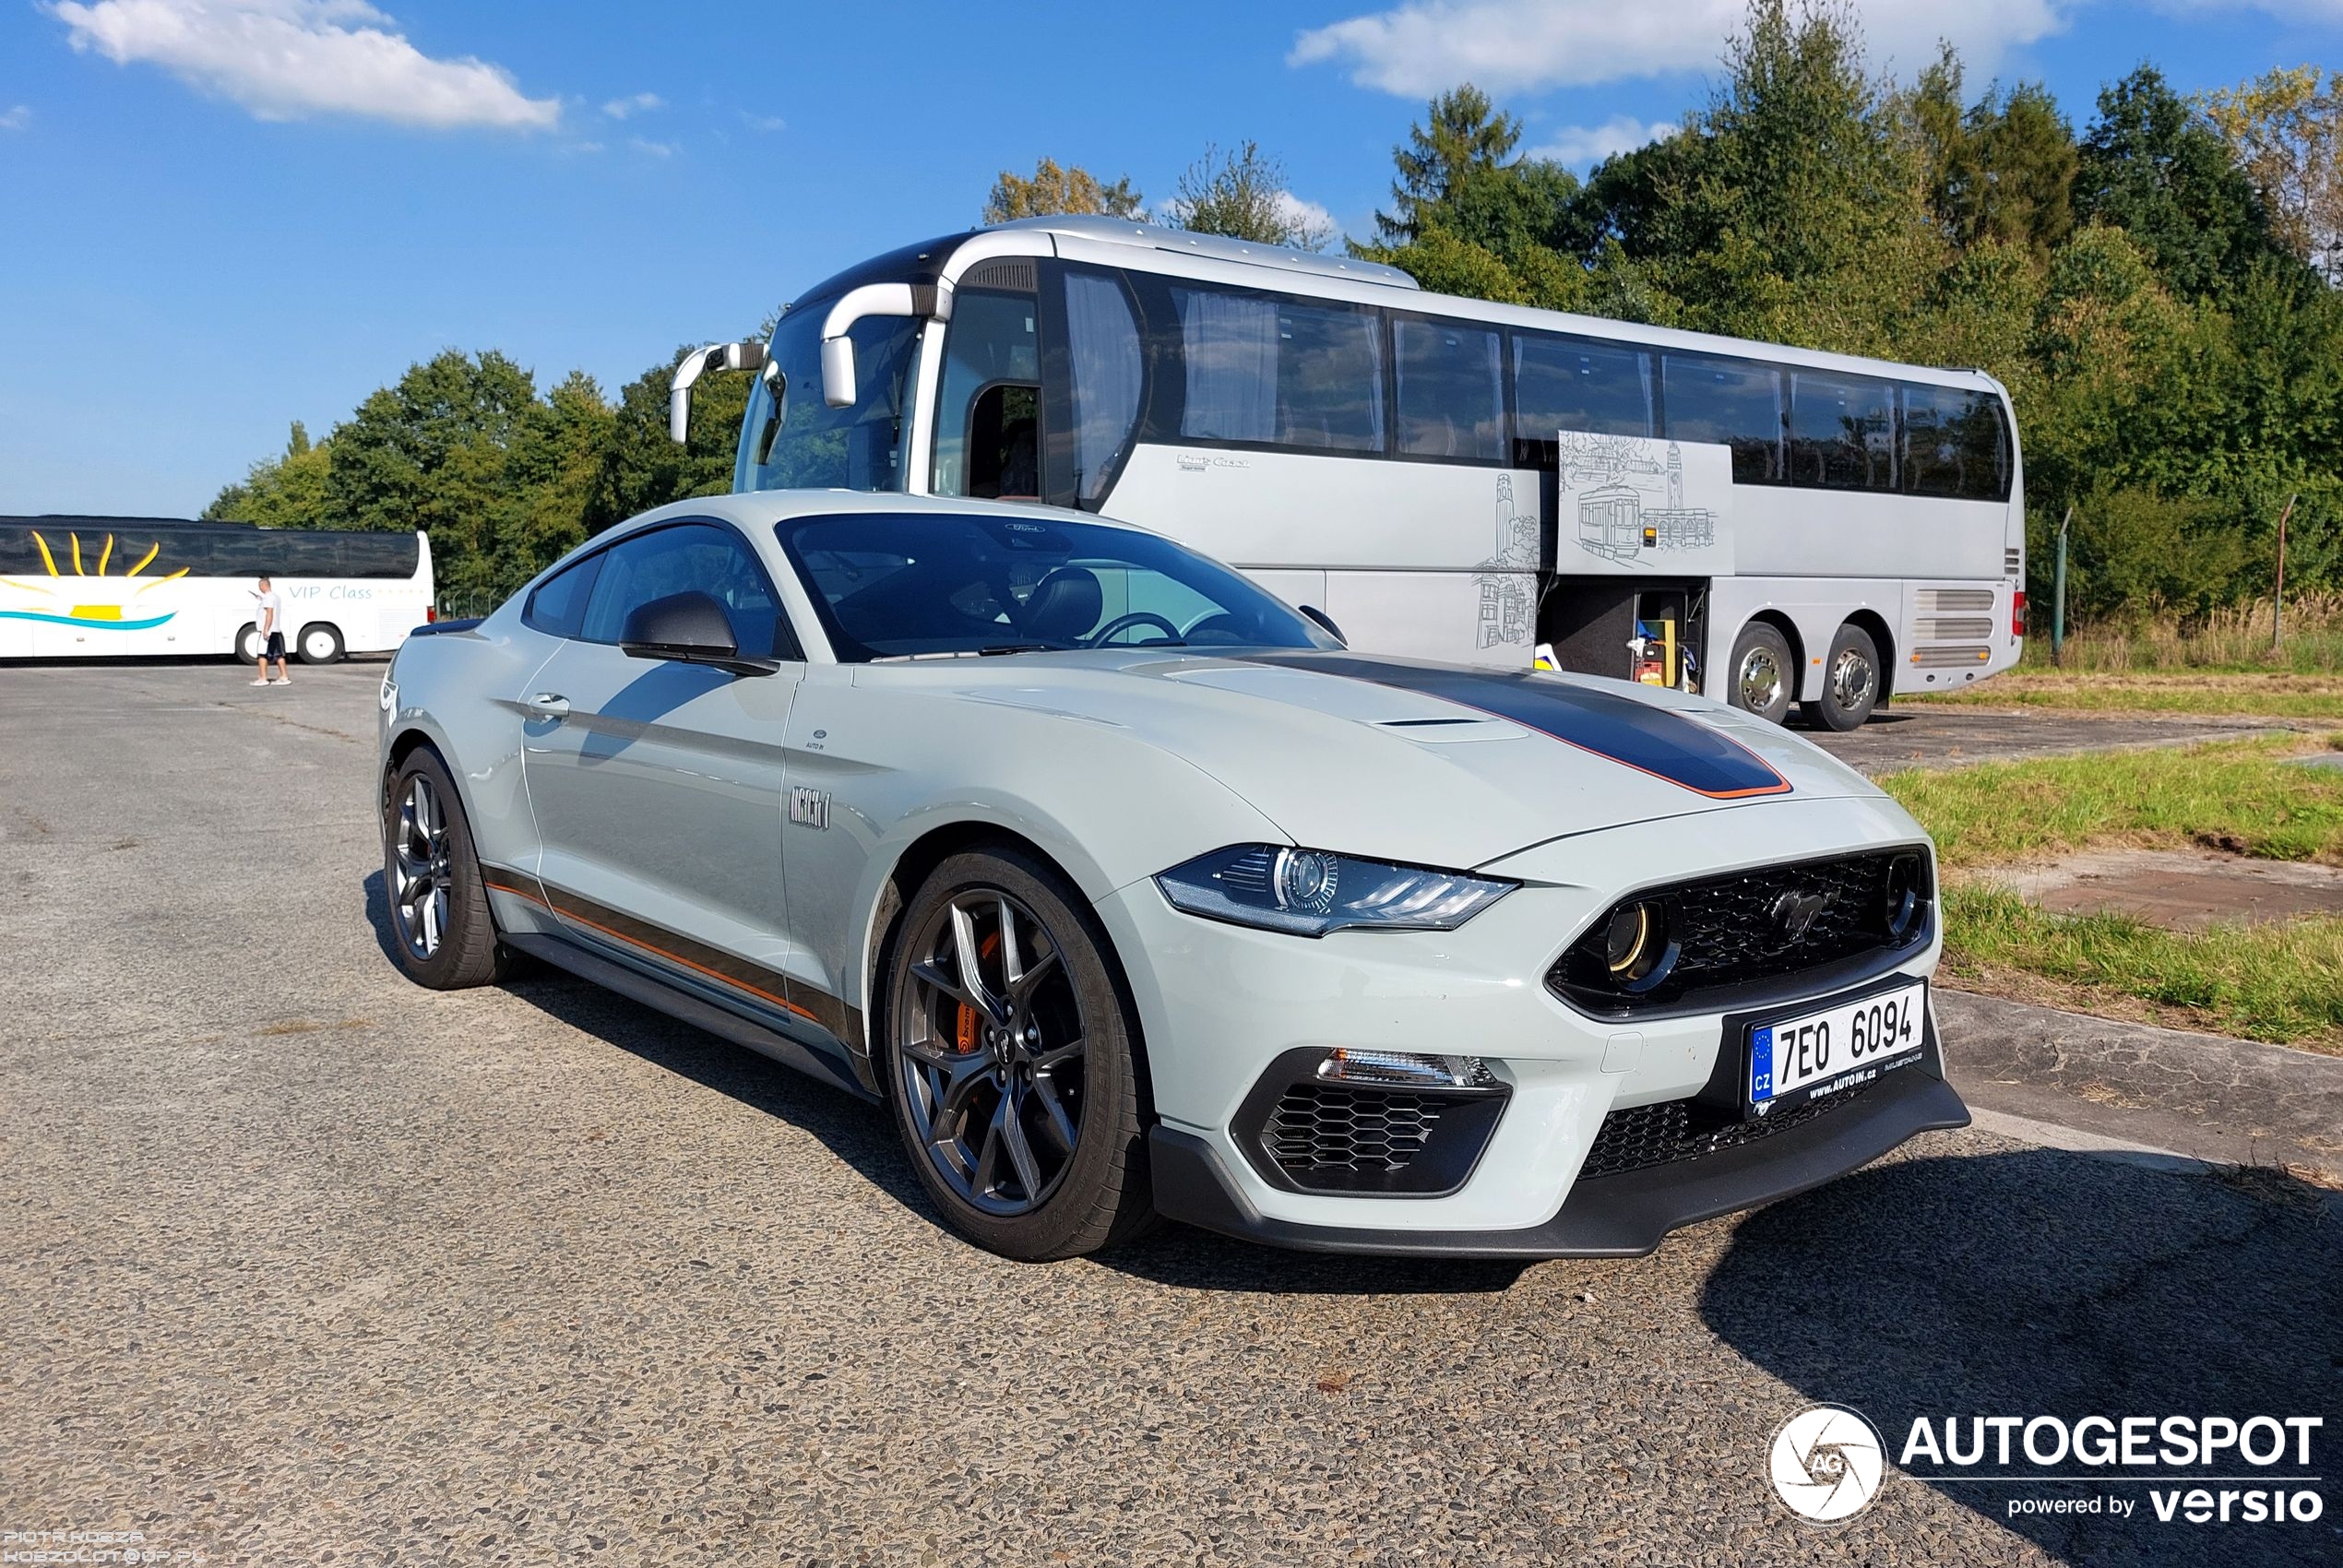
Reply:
x=2277, y=589
x=2058, y=594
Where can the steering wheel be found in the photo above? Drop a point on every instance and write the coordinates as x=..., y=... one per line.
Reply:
x=1136, y=618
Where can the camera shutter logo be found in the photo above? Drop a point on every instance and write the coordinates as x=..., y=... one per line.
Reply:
x=1826, y=1463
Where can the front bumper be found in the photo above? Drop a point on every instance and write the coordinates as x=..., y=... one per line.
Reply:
x=1623, y=1216
x=1220, y=1004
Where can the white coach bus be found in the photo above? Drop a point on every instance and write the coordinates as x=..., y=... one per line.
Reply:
x=89, y=588
x=1443, y=478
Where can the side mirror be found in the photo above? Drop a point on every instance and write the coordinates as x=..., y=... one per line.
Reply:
x=1325, y=622
x=715, y=356
x=838, y=372
x=688, y=628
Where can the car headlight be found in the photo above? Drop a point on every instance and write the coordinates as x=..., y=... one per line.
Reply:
x=1312, y=892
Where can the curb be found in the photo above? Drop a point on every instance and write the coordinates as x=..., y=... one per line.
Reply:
x=2234, y=1101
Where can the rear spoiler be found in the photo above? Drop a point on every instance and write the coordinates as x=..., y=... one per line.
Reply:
x=433, y=628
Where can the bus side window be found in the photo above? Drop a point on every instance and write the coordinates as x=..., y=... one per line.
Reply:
x=1577, y=385
x=1736, y=403
x=1276, y=372
x=1956, y=444
x=1451, y=392
x=1108, y=369
x=1842, y=433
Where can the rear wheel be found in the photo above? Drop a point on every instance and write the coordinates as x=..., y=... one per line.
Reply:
x=319, y=643
x=445, y=937
x=1851, y=682
x=1010, y=1061
x=248, y=643
x=1763, y=674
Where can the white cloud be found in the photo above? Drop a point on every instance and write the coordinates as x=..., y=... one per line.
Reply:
x=291, y=59
x=633, y=103
x=651, y=149
x=16, y=119
x=763, y=122
x=1306, y=217
x=1427, y=46
x=1579, y=146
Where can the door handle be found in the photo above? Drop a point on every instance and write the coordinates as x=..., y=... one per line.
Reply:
x=549, y=704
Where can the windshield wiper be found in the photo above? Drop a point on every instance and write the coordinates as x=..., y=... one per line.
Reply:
x=999, y=649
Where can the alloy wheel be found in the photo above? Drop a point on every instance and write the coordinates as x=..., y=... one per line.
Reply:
x=419, y=868
x=990, y=1051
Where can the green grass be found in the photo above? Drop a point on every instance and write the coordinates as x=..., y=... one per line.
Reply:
x=2239, y=795
x=2280, y=982
x=2268, y=695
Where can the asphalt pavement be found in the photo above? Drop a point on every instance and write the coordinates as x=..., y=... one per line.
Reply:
x=308, y=1264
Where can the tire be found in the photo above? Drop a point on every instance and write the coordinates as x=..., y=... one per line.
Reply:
x=1851, y=683
x=319, y=643
x=441, y=927
x=1054, y=1050
x=1763, y=676
x=247, y=645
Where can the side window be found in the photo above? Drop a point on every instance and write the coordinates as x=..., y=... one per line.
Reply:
x=1842, y=433
x=1279, y=372
x=1451, y=390
x=1577, y=385
x=305, y=555
x=1734, y=402
x=557, y=605
x=1956, y=444
x=1108, y=369
x=983, y=446
x=703, y=557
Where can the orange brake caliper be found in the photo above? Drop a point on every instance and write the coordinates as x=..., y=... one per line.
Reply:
x=964, y=1021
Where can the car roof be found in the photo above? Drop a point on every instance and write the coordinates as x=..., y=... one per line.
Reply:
x=762, y=509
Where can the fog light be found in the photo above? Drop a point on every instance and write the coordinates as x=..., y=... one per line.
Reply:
x=1906, y=903
x=1405, y=1069
x=1637, y=945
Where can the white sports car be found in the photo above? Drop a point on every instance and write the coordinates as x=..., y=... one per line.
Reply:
x=1131, y=893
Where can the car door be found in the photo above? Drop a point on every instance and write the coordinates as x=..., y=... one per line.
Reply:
x=657, y=784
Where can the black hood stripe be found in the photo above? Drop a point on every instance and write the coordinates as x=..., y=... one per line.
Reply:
x=1633, y=735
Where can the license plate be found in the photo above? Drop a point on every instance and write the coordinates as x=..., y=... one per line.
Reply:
x=1835, y=1047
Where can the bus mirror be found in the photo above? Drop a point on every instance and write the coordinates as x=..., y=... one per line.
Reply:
x=838, y=372
x=715, y=356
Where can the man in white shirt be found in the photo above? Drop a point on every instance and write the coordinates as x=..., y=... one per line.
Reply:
x=269, y=624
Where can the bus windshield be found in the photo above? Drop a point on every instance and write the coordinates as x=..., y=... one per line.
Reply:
x=793, y=440
x=889, y=586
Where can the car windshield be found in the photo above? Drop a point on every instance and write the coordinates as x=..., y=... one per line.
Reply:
x=904, y=585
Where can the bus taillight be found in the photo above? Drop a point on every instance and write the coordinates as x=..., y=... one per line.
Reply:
x=431, y=611
x=2017, y=616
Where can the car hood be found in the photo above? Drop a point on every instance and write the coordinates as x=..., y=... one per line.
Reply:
x=1438, y=765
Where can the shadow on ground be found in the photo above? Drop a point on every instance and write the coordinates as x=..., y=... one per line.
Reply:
x=2050, y=1283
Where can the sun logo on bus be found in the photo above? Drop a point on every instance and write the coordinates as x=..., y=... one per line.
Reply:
x=86, y=596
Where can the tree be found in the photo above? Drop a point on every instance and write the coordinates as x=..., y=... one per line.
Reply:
x=1052, y=190
x=2002, y=170
x=2285, y=131
x=642, y=469
x=1462, y=133
x=2155, y=167
x=1244, y=196
x=287, y=492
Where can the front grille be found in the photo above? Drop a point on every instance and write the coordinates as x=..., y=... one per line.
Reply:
x=1322, y=1130
x=1647, y=1135
x=1729, y=930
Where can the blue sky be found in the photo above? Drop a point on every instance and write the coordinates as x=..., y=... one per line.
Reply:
x=223, y=215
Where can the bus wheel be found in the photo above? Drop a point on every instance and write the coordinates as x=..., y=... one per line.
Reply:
x=320, y=643
x=247, y=648
x=1763, y=674
x=1851, y=683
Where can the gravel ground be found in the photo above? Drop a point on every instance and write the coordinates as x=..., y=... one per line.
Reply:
x=310, y=1265
x=1921, y=735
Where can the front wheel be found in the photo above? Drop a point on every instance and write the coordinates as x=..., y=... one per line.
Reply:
x=248, y=643
x=1851, y=683
x=445, y=935
x=1010, y=1061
